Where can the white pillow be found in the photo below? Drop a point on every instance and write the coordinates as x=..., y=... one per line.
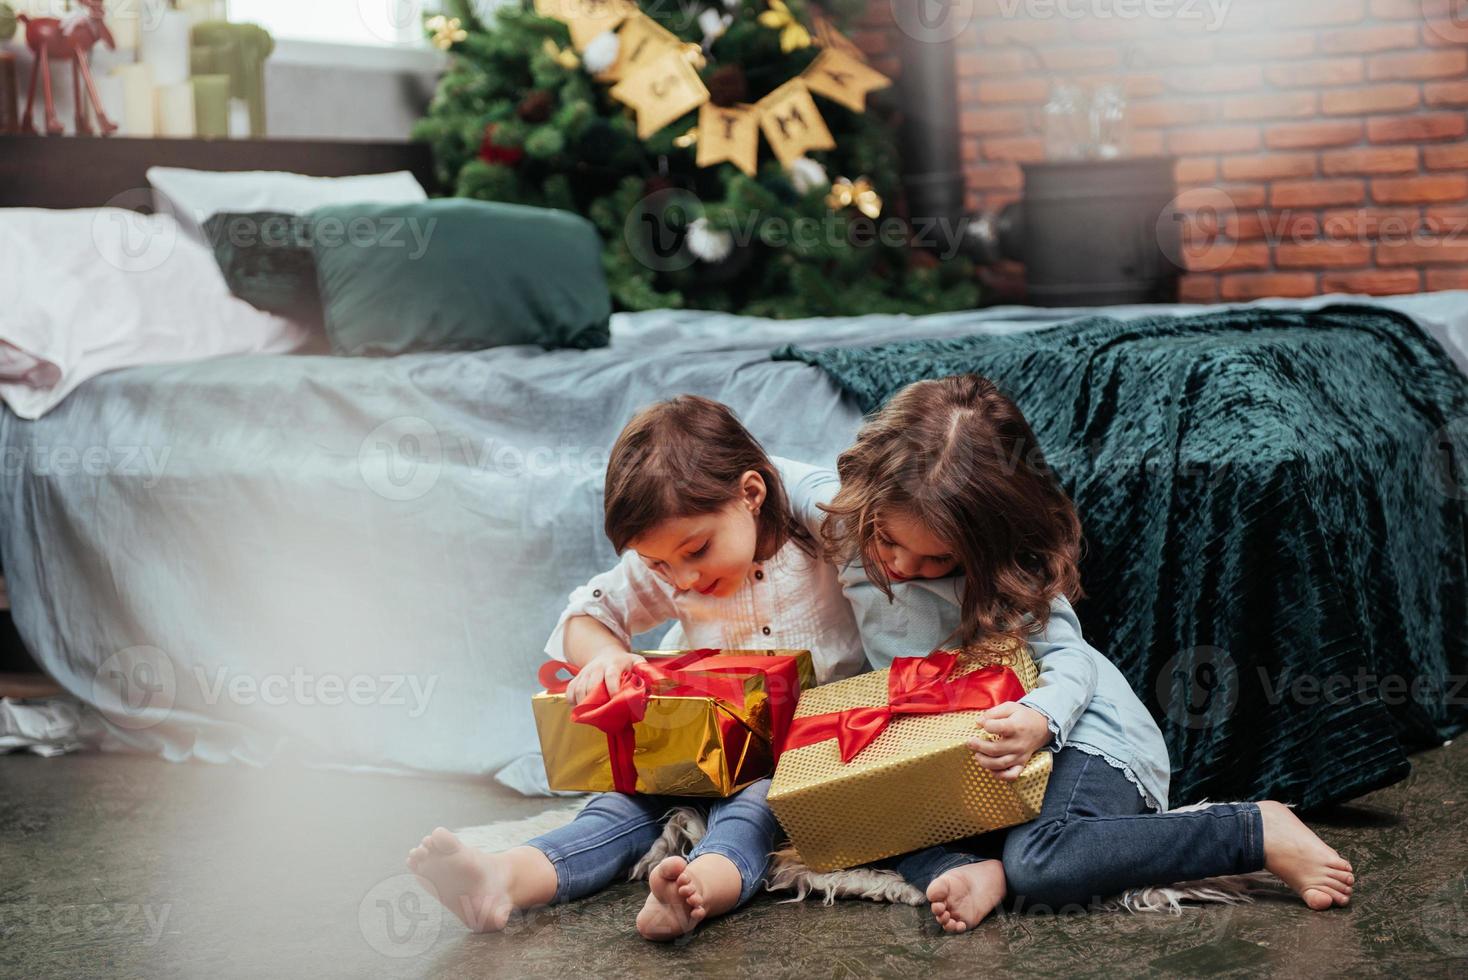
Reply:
x=194, y=196
x=91, y=290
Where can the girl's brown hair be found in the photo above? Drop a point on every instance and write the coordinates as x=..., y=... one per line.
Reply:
x=684, y=457
x=957, y=456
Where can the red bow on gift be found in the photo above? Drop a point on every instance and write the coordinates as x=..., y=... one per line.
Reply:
x=718, y=677
x=915, y=686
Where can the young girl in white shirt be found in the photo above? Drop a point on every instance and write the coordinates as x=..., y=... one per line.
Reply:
x=710, y=538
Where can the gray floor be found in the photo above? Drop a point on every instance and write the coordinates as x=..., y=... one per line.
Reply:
x=114, y=866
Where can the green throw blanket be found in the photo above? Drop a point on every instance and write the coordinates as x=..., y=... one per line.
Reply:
x=1275, y=506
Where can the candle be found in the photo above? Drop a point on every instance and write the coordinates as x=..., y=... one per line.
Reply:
x=138, y=116
x=164, y=45
x=175, y=109
x=211, y=106
x=122, y=22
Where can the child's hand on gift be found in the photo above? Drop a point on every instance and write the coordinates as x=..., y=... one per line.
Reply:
x=605, y=669
x=1012, y=732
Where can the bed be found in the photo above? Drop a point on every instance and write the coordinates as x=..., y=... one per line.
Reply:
x=355, y=562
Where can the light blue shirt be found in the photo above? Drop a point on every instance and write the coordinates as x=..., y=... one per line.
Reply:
x=1087, y=701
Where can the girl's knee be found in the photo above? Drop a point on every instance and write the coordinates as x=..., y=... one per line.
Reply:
x=1036, y=880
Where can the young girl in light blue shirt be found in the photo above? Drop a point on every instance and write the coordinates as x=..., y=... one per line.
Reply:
x=951, y=528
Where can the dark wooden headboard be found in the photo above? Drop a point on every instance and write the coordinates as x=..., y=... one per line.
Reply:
x=92, y=171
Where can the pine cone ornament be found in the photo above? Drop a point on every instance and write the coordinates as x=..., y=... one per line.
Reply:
x=536, y=107
x=728, y=86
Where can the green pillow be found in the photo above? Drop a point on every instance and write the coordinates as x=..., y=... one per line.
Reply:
x=267, y=262
x=454, y=274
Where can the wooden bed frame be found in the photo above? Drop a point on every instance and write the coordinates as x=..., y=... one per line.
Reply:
x=92, y=171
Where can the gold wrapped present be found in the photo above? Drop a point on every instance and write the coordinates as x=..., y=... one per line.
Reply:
x=685, y=723
x=877, y=765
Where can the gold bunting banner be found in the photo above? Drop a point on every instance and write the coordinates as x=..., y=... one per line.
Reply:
x=842, y=78
x=586, y=18
x=641, y=39
x=656, y=74
x=791, y=122
x=728, y=133
x=660, y=92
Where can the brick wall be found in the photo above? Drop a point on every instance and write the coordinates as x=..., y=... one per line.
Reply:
x=1321, y=143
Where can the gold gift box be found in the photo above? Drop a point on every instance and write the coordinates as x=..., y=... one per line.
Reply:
x=684, y=746
x=916, y=785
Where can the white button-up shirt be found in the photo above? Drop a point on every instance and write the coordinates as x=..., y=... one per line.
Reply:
x=791, y=601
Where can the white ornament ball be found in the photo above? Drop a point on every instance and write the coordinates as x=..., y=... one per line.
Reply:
x=806, y=175
x=601, y=53
x=709, y=244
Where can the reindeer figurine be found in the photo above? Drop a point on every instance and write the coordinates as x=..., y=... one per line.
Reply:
x=70, y=39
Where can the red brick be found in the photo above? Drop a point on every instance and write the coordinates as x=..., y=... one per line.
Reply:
x=1313, y=74
x=1269, y=166
x=1174, y=51
x=1020, y=32
x=1195, y=170
x=998, y=177
x=1080, y=58
x=1147, y=143
x=1218, y=78
x=1224, y=198
x=1290, y=105
x=1363, y=40
x=1171, y=113
x=1445, y=93
x=1418, y=65
x=1325, y=253
x=1014, y=148
x=1004, y=61
x=1445, y=32
x=1452, y=157
x=1225, y=256
x=1418, y=251
x=991, y=122
x=1014, y=90
x=1374, y=160
x=1416, y=129
x=1267, y=48
x=1245, y=286
x=1310, y=135
x=1213, y=139
x=1368, y=224
x=1447, y=279
x=1451, y=221
x=1316, y=193
x=1197, y=289
x=1419, y=190
x=1370, y=98
x=1377, y=282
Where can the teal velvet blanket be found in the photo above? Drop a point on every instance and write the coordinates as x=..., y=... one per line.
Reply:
x=1275, y=506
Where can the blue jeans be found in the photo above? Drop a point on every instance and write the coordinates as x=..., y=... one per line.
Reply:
x=614, y=830
x=1095, y=837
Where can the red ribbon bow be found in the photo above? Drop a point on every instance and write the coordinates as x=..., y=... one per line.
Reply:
x=719, y=677
x=915, y=686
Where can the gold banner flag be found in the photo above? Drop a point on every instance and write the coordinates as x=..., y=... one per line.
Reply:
x=641, y=39
x=586, y=18
x=791, y=122
x=662, y=91
x=842, y=78
x=728, y=133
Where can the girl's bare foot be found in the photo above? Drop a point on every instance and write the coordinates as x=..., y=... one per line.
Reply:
x=675, y=903
x=962, y=897
x=1316, y=872
x=472, y=884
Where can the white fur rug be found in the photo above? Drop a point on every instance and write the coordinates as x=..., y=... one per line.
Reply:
x=788, y=874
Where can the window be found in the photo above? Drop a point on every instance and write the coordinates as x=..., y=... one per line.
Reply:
x=394, y=23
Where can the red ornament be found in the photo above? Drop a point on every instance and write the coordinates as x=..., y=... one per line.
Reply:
x=492, y=152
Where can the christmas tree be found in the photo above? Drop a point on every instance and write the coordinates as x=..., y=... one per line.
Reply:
x=607, y=109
